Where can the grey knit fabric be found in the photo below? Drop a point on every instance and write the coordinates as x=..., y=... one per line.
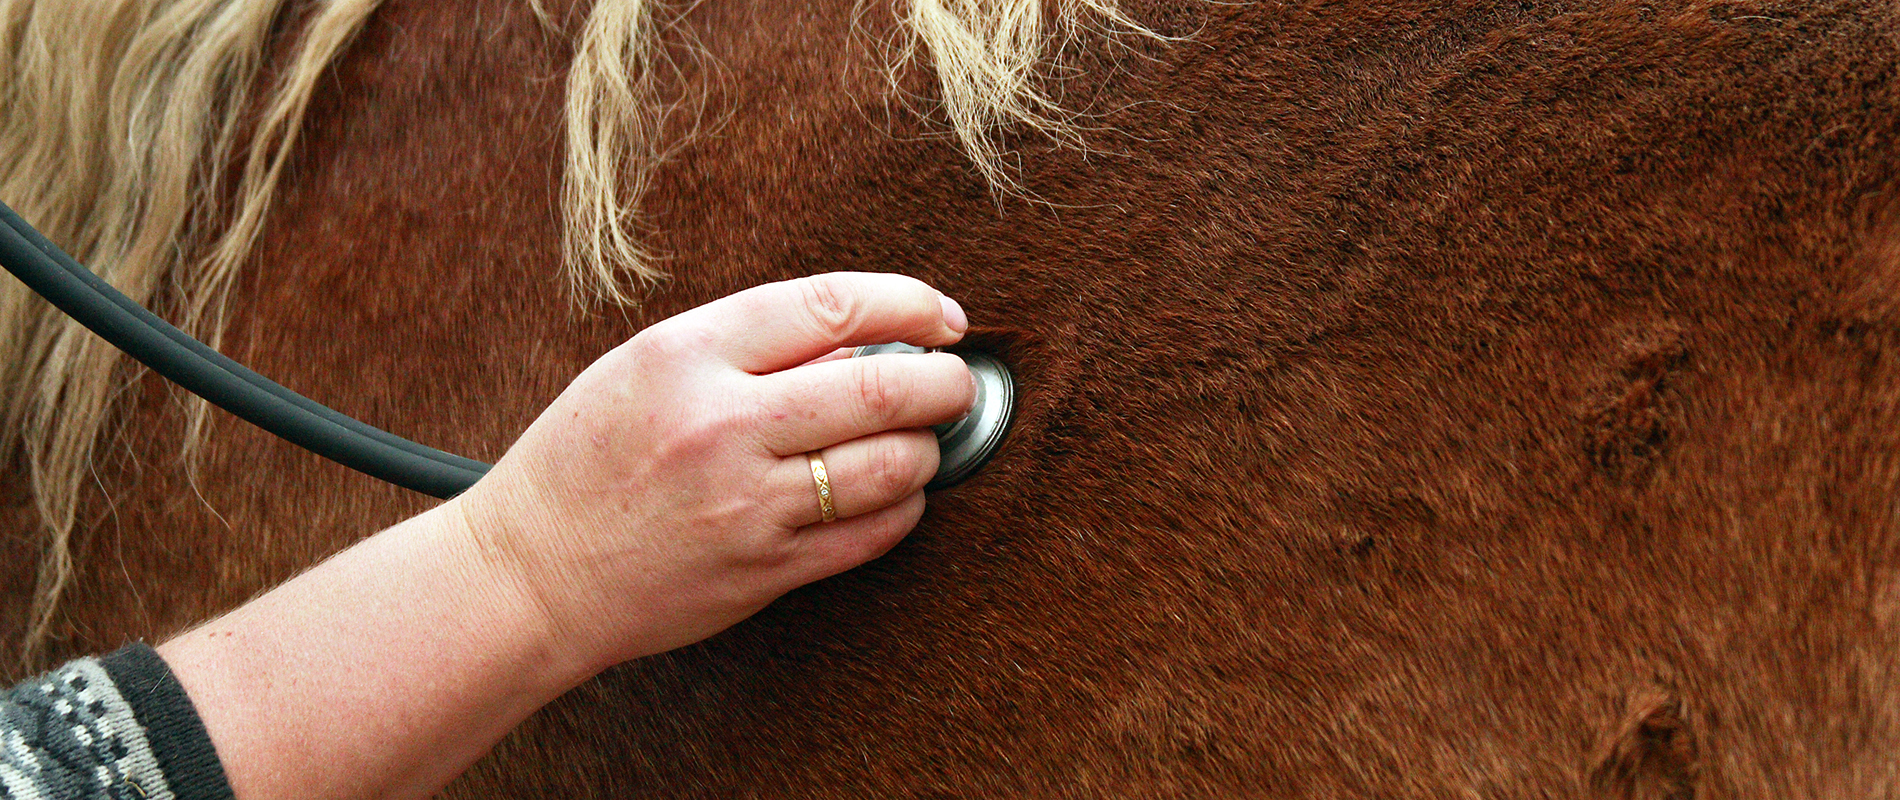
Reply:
x=71, y=735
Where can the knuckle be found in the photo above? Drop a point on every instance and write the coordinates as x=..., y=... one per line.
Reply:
x=730, y=420
x=770, y=419
x=796, y=501
x=878, y=542
x=878, y=391
x=701, y=437
x=691, y=442
x=869, y=545
x=895, y=468
x=768, y=409
x=892, y=525
x=767, y=545
x=832, y=303
x=664, y=345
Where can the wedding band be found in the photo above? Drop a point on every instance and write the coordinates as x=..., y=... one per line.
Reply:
x=824, y=486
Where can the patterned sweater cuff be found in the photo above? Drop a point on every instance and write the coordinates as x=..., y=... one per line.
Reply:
x=172, y=729
x=118, y=728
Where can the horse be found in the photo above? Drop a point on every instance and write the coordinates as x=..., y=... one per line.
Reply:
x=1415, y=399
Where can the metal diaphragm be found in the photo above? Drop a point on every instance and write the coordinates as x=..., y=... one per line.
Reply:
x=966, y=444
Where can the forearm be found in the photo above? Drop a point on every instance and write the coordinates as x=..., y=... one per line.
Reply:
x=383, y=672
x=634, y=516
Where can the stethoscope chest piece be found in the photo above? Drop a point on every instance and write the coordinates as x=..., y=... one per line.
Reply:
x=967, y=444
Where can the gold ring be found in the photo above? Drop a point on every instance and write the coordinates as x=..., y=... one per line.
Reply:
x=824, y=486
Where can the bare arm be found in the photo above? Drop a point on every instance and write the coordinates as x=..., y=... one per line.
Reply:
x=663, y=497
x=383, y=672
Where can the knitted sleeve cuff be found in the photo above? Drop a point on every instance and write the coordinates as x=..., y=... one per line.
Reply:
x=177, y=737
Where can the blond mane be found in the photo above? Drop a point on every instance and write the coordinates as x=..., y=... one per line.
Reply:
x=122, y=114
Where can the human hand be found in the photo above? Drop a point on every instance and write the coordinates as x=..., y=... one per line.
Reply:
x=666, y=495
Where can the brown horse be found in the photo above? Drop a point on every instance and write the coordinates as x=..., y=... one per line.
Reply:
x=1418, y=399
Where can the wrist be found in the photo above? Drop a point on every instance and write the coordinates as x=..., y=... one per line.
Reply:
x=521, y=616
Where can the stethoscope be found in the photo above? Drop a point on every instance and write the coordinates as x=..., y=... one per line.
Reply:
x=966, y=444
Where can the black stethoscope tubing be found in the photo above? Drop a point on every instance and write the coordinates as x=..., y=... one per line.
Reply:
x=73, y=289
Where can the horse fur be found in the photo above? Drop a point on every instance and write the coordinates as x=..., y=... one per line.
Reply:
x=1418, y=399
x=124, y=115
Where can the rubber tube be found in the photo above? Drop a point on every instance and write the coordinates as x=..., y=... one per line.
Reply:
x=73, y=289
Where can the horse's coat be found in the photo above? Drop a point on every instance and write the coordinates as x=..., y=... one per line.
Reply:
x=136, y=137
x=1418, y=400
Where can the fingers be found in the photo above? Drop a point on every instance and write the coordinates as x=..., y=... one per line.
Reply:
x=781, y=325
x=827, y=549
x=834, y=401
x=835, y=355
x=864, y=475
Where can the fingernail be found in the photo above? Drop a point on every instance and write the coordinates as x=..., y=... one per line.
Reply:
x=953, y=315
